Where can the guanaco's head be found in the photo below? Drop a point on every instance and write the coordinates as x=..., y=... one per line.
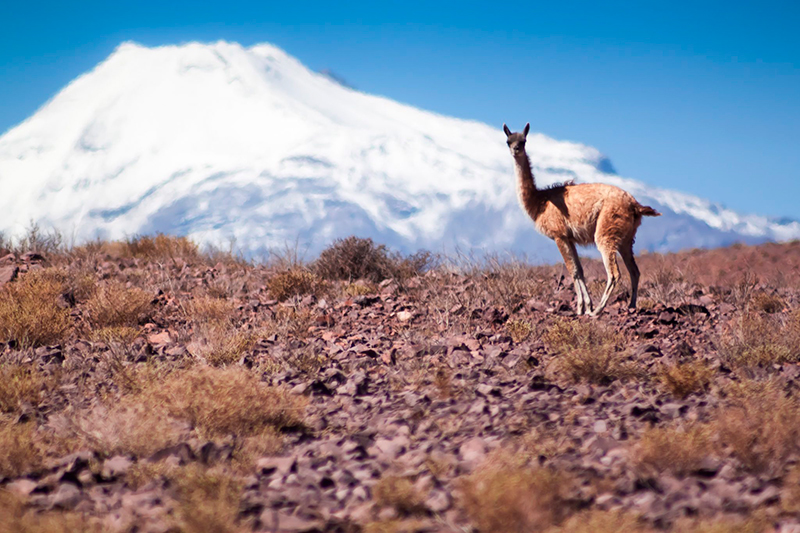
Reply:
x=516, y=141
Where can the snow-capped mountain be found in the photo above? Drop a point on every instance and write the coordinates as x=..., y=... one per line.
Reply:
x=221, y=143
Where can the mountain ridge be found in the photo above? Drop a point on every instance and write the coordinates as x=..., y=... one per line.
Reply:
x=221, y=142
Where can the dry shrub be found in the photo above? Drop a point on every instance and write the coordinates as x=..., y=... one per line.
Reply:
x=355, y=258
x=683, y=379
x=519, y=329
x=509, y=282
x=214, y=310
x=293, y=321
x=40, y=241
x=127, y=426
x=20, y=452
x=116, y=305
x=767, y=303
x=665, y=284
x=790, y=496
x=506, y=494
x=755, y=340
x=399, y=493
x=603, y=522
x=228, y=401
x=407, y=525
x=115, y=334
x=17, y=517
x=293, y=282
x=760, y=425
x=208, y=499
x=21, y=384
x=725, y=524
x=588, y=351
x=538, y=444
x=221, y=346
x=680, y=451
x=360, y=288
x=160, y=248
x=29, y=310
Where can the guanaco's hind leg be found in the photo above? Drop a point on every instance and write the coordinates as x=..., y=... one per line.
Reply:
x=573, y=262
x=630, y=263
x=612, y=270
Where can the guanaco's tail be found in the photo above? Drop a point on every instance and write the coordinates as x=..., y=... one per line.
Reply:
x=646, y=211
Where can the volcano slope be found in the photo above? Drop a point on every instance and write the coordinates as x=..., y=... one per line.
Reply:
x=145, y=386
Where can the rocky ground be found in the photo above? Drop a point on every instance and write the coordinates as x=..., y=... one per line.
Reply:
x=149, y=387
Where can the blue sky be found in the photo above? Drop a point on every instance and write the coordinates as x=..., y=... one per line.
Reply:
x=702, y=97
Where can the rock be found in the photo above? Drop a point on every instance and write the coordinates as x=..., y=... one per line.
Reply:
x=268, y=466
x=392, y=448
x=438, y=501
x=66, y=496
x=157, y=339
x=8, y=273
x=23, y=486
x=474, y=450
x=404, y=316
x=116, y=466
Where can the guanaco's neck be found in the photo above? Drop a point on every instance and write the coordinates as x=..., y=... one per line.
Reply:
x=529, y=195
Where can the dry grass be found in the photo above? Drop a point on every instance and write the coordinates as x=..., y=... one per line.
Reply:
x=19, y=518
x=229, y=401
x=115, y=305
x=158, y=248
x=588, y=351
x=755, y=340
x=217, y=311
x=29, y=309
x=790, y=498
x=293, y=282
x=221, y=345
x=683, y=379
x=21, y=384
x=356, y=258
x=507, y=495
x=759, y=425
x=360, y=288
x=603, y=522
x=519, y=329
x=208, y=499
x=767, y=302
x=680, y=451
x=399, y=493
x=20, y=451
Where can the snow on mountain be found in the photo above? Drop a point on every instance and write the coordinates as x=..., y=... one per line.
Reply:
x=221, y=143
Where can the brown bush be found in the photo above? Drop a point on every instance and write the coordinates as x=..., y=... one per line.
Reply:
x=18, y=517
x=519, y=329
x=759, y=425
x=507, y=495
x=160, y=248
x=20, y=451
x=588, y=351
x=683, y=379
x=222, y=345
x=680, y=451
x=29, y=309
x=603, y=522
x=293, y=282
x=767, y=303
x=355, y=258
x=399, y=493
x=115, y=305
x=208, y=499
x=755, y=340
x=21, y=384
x=215, y=310
x=228, y=401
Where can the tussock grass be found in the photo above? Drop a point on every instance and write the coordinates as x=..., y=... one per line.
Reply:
x=356, y=258
x=294, y=282
x=208, y=499
x=221, y=345
x=399, y=493
x=19, y=518
x=683, y=379
x=115, y=305
x=677, y=450
x=519, y=329
x=603, y=522
x=588, y=351
x=22, y=384
x=217, y=311
x=507, y=495
x=767, y=302
x=20, y=451
x=755, y=340
x=29, y=309
x=159, y=248
x=759, y=425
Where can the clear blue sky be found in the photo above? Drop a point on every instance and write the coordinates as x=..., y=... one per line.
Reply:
x=698, y=96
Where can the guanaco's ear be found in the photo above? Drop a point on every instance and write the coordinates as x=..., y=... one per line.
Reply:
x=527, y=129
x=508, y=131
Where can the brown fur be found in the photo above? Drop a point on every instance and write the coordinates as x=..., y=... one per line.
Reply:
x=588, y=213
